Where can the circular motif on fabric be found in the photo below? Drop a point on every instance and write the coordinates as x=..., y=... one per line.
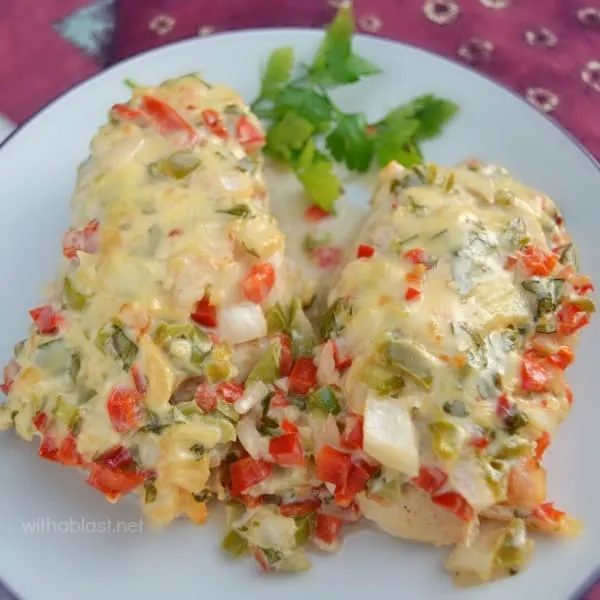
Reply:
x=441, y=12
x=339, y=3
x=589, y=16
x=476, y=50
x=162, y=24
x=495, y=4
x=542, y=98
x=370, y=23
x=206, y=30
x=542, y=36
x=591, y=74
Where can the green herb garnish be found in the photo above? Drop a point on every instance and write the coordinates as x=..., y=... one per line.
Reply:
x=300, y=112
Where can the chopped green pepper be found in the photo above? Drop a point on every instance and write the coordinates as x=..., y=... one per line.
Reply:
x=276, y=320
x=234, y=544
x=176, y=166
x=333, y=319
x=515, y=420
x=205, y=495
x=382, y=379
x=243, y=211
x=303, y=529
x=548, y=292
x=66, y=413
x=267, y=367
x=113, y=341
x=511, y=552
x=53, y=356
x=197, y=344
x=444, y=438
x=73, y=298
x=150, y=492
x=513, y=447
x=413, y=362
x=325, y=399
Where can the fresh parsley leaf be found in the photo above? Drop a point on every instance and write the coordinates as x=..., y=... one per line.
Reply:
x=431, y=112
x=390, y=139
x=277, y=71
x=321, y=183
x=433, y=116
x=335, y=63
x=288, y=135
x=349, y=142
x=309, y=104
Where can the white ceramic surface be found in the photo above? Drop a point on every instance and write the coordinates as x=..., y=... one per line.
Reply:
x=37, y=173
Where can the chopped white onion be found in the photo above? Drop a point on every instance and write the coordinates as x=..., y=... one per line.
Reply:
x=252, y=395
x=255, y=444
x=390, y=435
x=468, y=479
x=325, y=361
x=325, y=433
x=242, y=323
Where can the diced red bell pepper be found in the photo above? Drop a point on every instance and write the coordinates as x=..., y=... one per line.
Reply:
x=205, y=313
x=333, y=466
x=571, y=319
x=46, y=319
x=286, y=358
x=85, y=239
x=259, y=282
x=67, y=453
x=511, y=261
x=247, y=472
x=563, y=358
x=40, y=421
x=365, y=251
x=584, y=288
x=112, y=483
x=480, y=442
x=11, y=370
x=261, y=558
x=430, y=479
x=206, y=397
x=48, y=448
x=327, y=528
x=123, y=112
x=503, y=407
x=541, y=445
x=299, y=509
x=287, y=450
x=357, y=480
x=314, y=214
x=547, y=513
x=125, y=410
x=341, y=363
x=168, y=122
x=250, y=137
x=412, y=294
x=456, y=504
x=279, y=400
x=288, y=426
x=535, y=374
x=230, y=392
x=418, y=256
x=352, y=436
x=250, y=501
x=569, y=394
x=303, y=376
x=116, y=459
x=537, y=262
x=327, y=257
x=215, y=123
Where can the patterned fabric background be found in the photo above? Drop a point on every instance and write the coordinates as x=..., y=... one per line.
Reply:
x=548, y=51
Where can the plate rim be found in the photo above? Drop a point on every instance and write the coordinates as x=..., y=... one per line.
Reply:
x=6, y=593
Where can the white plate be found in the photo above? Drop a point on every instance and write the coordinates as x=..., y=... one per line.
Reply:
x=37, y=173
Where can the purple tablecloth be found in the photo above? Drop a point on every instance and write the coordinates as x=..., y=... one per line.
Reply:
x=548, y=51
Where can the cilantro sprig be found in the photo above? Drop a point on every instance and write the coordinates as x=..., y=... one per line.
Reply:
x=308, y=132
